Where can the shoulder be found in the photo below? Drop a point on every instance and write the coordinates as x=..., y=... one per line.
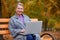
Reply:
x=25, y=16
x=12, y=18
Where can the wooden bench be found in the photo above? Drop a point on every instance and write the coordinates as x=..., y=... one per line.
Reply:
x=4, y=25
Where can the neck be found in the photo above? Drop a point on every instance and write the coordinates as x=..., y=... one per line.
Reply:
x=19, y=14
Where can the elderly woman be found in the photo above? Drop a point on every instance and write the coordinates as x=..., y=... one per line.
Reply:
x=17, y=24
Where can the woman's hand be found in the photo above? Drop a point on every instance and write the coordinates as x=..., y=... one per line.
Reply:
x=23, y=30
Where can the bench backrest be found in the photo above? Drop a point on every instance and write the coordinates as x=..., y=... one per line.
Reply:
x=4, y=25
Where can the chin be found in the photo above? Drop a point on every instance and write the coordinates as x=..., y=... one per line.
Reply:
x=20, y=14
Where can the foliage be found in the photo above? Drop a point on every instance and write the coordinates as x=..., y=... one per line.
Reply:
x=46, y=10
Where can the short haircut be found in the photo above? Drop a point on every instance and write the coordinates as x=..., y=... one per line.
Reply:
x=21, y=4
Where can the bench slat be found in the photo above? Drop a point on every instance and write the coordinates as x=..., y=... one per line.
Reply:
x=33, y=20
x=4, y=19
x=3, y=25
x=4, y=32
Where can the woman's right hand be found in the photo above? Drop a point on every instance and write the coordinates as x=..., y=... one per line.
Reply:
x=23, y=30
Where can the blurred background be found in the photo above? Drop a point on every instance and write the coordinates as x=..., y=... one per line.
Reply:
x=46, y=10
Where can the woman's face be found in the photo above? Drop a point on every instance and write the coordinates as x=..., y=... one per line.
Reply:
x=19, y=9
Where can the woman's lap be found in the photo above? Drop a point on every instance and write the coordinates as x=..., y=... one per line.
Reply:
x=29, y=37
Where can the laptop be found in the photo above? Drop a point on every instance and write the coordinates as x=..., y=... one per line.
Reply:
x=33, y=27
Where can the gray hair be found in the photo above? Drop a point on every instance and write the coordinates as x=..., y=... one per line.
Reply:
x=21, y=4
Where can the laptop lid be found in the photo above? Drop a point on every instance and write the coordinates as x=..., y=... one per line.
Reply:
x=33, y=27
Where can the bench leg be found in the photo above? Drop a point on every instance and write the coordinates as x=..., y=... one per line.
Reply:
x=1, y=37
